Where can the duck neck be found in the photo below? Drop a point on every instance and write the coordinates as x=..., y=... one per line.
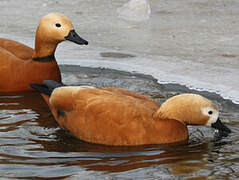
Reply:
x=44, y=51
x=169, y=114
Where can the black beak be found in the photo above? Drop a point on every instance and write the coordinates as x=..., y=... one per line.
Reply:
x=74, y=37
x=221, y=127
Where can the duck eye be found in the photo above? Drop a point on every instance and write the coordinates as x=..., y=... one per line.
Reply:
x=210, y=112
x=58, y=25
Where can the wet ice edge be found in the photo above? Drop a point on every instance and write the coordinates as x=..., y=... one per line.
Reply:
x=198, y=76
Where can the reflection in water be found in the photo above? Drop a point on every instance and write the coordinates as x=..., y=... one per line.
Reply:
x=33, y=145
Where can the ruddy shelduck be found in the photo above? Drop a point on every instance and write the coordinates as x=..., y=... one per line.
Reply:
x=21, y=65
x=115, y=116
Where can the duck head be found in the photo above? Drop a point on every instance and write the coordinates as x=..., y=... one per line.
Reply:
x=53, y=29
x=192, y=109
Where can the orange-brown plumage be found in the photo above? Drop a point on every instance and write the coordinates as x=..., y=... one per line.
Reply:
x=21, y=65
x=114, y=116
x=109, y=117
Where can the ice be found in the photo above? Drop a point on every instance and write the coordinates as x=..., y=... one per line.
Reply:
x=199, y=76
x=135, y=10
x=194, y=43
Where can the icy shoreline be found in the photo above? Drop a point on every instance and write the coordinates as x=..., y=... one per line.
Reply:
x=193, y=43
x=196, y=76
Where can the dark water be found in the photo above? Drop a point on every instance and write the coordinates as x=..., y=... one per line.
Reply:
x=32, y=146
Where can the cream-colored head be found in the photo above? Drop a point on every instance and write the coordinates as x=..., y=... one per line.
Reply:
x=53, y=29
x=191, y=109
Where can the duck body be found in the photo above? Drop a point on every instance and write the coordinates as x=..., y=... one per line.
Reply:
x=118, y=117
x=21, y=65
x=113, y=117
x=18, y=69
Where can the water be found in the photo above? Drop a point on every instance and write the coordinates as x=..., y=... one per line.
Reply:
x=33, y=146
x=192, y=43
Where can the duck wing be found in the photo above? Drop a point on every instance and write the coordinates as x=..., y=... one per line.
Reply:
x=102, y=116
x=18, y=49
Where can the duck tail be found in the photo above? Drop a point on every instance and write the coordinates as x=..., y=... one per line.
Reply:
x=46, y=87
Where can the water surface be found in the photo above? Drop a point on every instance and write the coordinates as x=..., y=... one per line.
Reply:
x=33, y=146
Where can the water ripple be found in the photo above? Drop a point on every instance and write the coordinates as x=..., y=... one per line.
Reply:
x=33, y=146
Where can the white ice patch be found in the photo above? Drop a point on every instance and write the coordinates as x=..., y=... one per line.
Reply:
x=135, y=10
x=213, y=116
